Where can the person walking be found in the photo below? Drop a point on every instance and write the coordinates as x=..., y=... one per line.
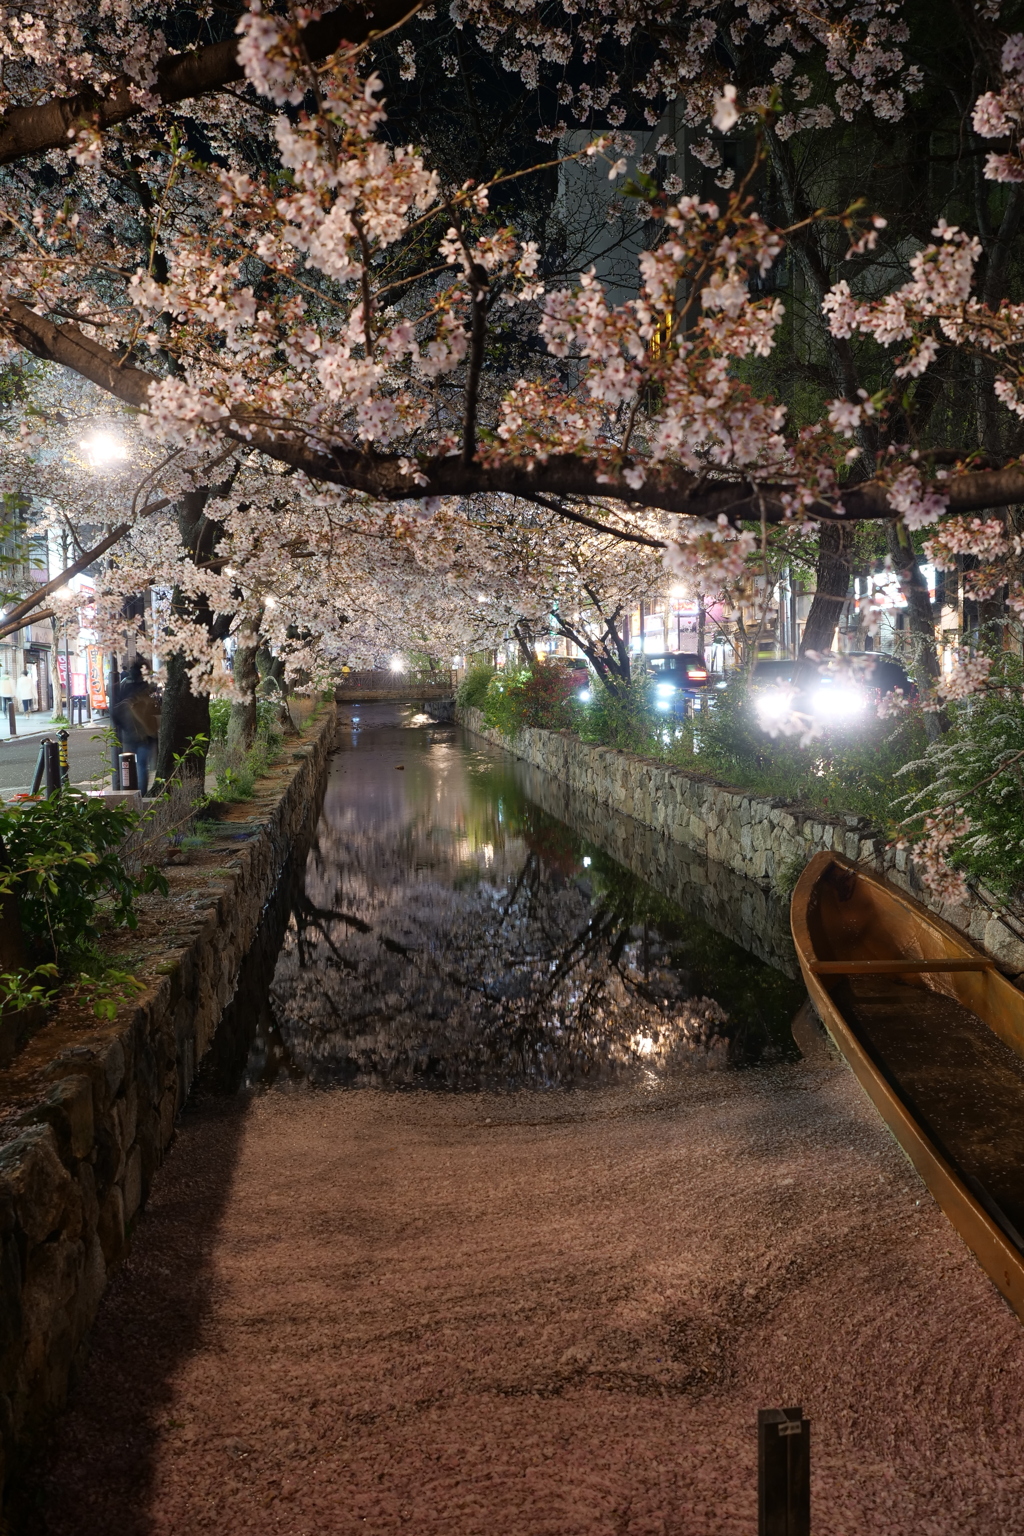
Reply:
x=137, y=720
x=26, y=689
x=7, y=696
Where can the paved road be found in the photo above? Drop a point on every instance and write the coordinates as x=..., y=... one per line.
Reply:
x=88, y=757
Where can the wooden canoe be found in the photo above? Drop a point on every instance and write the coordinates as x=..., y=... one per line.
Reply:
x=935, y=1036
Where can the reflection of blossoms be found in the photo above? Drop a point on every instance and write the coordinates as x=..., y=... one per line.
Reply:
x=692, y=1034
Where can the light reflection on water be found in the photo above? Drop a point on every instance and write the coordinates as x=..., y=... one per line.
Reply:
x=451, y=934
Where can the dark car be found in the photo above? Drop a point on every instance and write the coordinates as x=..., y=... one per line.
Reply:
x=834, y=690
x=677, y=679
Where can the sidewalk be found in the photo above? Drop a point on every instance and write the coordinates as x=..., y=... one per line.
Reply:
x=40, y=723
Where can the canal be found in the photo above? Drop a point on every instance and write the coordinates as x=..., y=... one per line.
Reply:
x=507, y=1198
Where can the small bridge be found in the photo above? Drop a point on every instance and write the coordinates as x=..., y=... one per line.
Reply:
x=380, y=684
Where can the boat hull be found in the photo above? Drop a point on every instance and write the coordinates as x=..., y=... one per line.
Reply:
x=883, y=921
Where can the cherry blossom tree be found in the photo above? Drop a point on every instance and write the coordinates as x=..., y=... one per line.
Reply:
x=337, y=341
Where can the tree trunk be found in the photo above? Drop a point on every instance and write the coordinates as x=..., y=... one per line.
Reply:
x=924, y=661
x=832, y=585
x=526, y=640
x=242, y=722
x=184, y=715
x=55, y=673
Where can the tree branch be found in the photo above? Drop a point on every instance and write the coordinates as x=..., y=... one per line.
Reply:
x=667, y=487
x=33, y=130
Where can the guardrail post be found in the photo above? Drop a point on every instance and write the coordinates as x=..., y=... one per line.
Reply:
x=783, y=1472
x=52, y=768
x=37, y=777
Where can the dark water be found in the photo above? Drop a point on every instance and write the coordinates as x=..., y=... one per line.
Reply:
x=448, y=933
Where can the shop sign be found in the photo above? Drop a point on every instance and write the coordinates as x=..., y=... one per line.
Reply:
x=97, y=692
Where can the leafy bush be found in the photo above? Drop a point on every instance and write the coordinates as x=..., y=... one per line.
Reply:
x=839, y=770
x=62, y=861
x=624, y=719
x=473, y=689
x=220, y=714
x=532, y=696
x=238, y=772
x=973, y=786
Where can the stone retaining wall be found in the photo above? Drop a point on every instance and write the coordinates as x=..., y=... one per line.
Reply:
x=749, y=913
x=766, y=840
x=88, y=1110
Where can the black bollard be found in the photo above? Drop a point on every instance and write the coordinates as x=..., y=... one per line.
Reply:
x=783, y=1472
x=37, y=777
x=52, y=768
x=129, y=771
x=62, y=743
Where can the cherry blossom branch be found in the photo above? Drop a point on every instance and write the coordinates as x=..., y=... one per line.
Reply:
x=665, y=486
x=33, y=130
x=561, y=510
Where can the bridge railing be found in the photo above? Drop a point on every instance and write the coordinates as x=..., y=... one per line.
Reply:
x=382, y=678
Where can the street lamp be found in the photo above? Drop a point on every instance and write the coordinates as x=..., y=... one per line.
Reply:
x=103, y=449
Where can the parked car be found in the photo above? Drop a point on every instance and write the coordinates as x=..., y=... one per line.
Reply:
x=677, y=679
x=835, y=690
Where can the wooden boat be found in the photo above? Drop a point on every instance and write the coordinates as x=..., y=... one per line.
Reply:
x=935, y=1035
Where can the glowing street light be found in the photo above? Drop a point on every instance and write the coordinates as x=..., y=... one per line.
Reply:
x=397, y=664
x=103, y=449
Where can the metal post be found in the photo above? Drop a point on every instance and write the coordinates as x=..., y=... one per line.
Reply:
x=783, y=1472
x=52, y=768
x=129, y=771
x=37, y=777
x=12, y=716
x=62, y=743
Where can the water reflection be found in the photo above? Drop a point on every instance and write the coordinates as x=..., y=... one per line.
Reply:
x=453, y=934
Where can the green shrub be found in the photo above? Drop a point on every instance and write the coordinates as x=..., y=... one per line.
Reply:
x=237, y=772
x=849, y=770
x=62, y=861
x=976, y=772
x=529, y=696
x=220, y=714
x=473, y=689
x=624, y=719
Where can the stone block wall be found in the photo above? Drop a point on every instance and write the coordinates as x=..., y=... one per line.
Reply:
x=84, y=1131
x=764, y=839
x=748, y=912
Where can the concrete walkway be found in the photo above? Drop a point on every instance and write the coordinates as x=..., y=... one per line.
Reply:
x=542, y=1315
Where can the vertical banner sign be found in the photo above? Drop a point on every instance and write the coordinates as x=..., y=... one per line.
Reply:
x=62, y=668
x=97, y=692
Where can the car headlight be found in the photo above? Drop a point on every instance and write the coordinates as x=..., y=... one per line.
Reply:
x=773, y=705
x=664, y=689
x=838, y=703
